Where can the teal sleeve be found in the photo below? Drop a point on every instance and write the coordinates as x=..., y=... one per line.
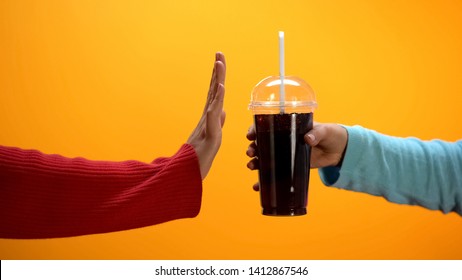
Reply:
x=402, y=170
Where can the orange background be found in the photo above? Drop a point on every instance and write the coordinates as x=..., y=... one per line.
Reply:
x=120, y=80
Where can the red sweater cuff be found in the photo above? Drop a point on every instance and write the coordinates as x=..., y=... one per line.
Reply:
x=43, y=196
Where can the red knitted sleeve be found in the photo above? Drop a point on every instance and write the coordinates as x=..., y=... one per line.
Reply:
x=45, y=196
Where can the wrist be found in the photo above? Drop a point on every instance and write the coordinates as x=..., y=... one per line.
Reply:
x=342, y=156
x=343, y=136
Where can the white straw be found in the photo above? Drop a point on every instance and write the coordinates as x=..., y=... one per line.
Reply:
x=281, y=70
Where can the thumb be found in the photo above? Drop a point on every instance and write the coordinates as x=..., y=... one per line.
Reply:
x=316, y=135
x=223, y=118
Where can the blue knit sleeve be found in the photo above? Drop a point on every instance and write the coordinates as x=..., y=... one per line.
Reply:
x=402, y=170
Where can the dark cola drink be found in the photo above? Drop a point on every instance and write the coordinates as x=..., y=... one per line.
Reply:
x=284, y=162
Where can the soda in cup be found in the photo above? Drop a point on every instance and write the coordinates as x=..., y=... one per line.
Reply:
x=283, y=155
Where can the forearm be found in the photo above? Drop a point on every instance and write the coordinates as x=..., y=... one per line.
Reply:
x=45, y=196
x=403, y=170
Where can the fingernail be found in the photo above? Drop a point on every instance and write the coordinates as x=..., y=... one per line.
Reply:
x=312, y=138
x=250, y=165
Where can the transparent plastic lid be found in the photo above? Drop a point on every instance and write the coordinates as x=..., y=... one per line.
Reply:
x=298, y=96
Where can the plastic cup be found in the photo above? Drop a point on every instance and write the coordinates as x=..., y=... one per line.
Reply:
x=283, y=155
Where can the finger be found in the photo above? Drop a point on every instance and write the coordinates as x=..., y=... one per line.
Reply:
x=256, y=187
x=253, y=164
x=214, y=114
x=221, y=57
x=220, y=72
x=251, y=134
x=218, y=77
x=212, y=87
x=252, y=150
x=213, y=80
x=316, y=135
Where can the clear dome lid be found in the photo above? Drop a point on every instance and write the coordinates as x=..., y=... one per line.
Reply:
x=298, y=96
